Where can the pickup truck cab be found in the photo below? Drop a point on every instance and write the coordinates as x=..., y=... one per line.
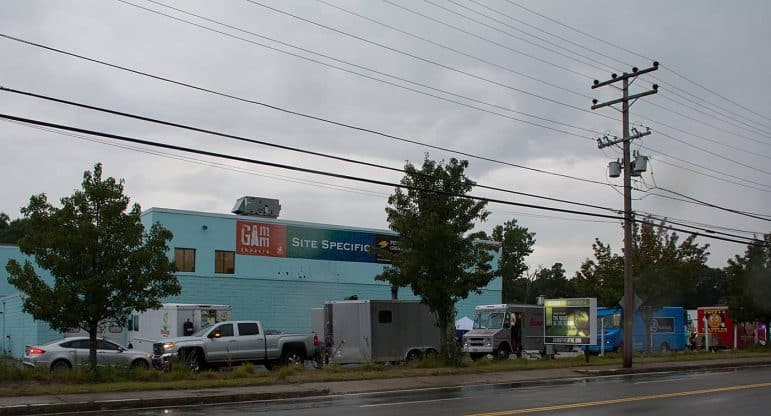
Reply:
x=233, y=342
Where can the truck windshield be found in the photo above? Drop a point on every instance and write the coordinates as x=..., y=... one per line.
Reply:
x=612, y=321
x=488, y=320
x=200, y=332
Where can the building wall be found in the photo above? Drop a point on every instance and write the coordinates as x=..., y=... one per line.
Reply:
x=278, y=291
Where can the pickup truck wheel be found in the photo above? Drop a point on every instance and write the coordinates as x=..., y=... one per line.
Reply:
x=193, y=359
x=292, y=356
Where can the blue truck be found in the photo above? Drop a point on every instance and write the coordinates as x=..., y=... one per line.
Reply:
x=667, y=330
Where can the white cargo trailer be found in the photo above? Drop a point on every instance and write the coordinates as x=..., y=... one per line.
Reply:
x=172, y=320
x=359, y=331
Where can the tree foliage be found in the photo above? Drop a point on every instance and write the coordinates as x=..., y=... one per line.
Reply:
x=749, y=281
x=602, y=277
x=438, y=258
x=103, y=263
x=11, y=231
x=516, y=244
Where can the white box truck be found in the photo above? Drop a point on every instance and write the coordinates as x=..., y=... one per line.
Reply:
x=359, y=331
x=172, y=320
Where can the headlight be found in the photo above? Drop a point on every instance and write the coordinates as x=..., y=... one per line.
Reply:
x=168, y=346
x=488, y=342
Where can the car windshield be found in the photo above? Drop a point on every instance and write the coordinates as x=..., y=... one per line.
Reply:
x=488, y=320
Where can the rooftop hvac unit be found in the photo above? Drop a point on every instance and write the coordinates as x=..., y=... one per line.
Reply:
x=257, y=207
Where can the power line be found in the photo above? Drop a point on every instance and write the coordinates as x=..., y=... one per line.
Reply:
x=512, y=35
x=417, y=57
x=236, y=169
x=660, y=153
x=672, y=70
x=293, y=112
x=450, y=48
x=366, y=68
x=564, y=68
x=274, y=145
x=342, y=176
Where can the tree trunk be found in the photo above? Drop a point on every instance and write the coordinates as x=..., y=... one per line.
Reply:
x=92, y=332
x=449, y=347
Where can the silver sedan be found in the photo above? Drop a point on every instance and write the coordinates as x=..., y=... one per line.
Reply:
x=66, y=353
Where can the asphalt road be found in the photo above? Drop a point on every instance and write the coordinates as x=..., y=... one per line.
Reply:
x=737, y=392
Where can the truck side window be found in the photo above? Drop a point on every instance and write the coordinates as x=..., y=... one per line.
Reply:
x=248, y=328
x=225, y=330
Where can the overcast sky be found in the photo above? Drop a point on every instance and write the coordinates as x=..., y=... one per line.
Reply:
x=480, y=78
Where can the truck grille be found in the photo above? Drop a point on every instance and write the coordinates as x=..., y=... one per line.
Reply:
x=158, y=348
x=476, y=342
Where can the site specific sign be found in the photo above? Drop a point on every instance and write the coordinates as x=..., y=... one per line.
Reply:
x=292, y=241
x=570, y=321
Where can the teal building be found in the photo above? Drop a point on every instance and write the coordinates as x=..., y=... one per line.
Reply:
x=266, y=268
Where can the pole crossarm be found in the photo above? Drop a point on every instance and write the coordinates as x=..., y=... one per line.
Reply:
x=630, y=98
x=635, y=72
x=601, y=144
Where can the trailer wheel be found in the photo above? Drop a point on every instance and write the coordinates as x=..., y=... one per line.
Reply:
x=414, y=355
x=664, y=347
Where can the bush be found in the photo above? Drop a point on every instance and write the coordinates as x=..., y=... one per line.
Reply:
x=244, y=370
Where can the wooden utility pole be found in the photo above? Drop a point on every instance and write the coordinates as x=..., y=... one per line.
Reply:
x=626, y=101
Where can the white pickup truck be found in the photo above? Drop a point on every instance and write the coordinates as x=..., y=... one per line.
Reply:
x=233, y=342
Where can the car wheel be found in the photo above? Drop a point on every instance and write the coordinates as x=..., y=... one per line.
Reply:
x=61, y=365
x=140, y=364
x=292, y=356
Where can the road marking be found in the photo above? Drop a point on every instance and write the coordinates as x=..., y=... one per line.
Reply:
x=662, y=381
x=412, y=402
x=622, y=400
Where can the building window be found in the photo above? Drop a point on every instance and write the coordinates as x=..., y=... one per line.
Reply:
x=184, y=259
x=224, y=261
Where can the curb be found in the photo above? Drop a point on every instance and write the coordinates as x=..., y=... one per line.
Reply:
x=133, y=403
x=695, y=367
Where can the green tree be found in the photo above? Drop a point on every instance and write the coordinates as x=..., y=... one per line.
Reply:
x=749, y=281
x=516, y=244
x=103, y=263
x=438, y=258
x=665, y=271
x=601, y=278
x=552, y=283
x=11, y=231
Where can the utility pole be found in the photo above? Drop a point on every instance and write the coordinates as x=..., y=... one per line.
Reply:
x=626, y=101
